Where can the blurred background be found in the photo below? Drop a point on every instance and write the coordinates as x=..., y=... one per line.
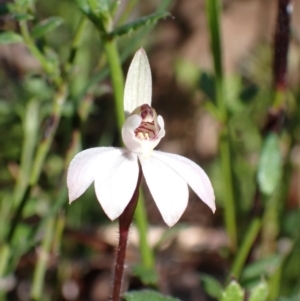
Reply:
x=56, y=98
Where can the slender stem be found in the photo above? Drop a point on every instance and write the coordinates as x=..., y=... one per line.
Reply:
x=124, y=224
x=141, y=221
x=213, y=18
x=77, y=39
x=271, y=222
x=42, y=151
x=45, y=144
x=17, y=215
x=49, y=133
x=245, y=249
x=275, y=284
x=117, y=78
x=30, y=130
x=48, y=67
x=281, y=44
x=4, y=260
x=229, y=208
x=41, y=266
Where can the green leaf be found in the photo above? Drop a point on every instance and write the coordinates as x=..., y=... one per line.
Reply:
x=83, y=6
x=137, y=24
x=147, y=295
x=10, y=37
x=22, y=17
x=46, y=26
x=211, y=286
x=233, y=292
x=262, y=267
x=97, y=12
x=207, y=85
x=270, y=165
x=147, y=275
x=259, y=292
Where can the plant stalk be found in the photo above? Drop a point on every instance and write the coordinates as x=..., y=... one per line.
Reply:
x=117, y=78
x=124, y=223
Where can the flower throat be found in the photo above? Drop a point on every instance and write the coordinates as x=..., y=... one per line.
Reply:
x=149, y=127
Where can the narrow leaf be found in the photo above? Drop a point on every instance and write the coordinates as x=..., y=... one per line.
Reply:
x=147, y=295
x=10, y=37
x=207, y=85
x=270, y=165
x=137, y=24
x=233, y=292
x=259, y=292
x=263, y=267
x=211, y=286
x=22, y=17
x=83, y=5
x=46, y=26
x=146, y=275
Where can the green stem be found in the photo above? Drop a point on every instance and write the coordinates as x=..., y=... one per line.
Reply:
x=229, y=207
x=274, y=284
x=39, y=160
x=141, y=221
x=117, y=78
x=213, y=11
x=245, y=249
x=30, y=130
x=41, y=266
x=17, y=215
x=77, y=39
x=49, y=133
x=4, y=259
x=48, y=67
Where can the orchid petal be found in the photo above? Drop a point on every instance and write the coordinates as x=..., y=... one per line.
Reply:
x=82, y=170
x=116, y=181
x=193, y=174
x=168, y=189
x=128, y=136
x=138, y=86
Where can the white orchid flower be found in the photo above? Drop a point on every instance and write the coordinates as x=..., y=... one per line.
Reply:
x=115, y=171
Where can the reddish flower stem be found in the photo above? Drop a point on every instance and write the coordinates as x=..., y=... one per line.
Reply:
x=281, y=43
x=125, y=220
x=276, y=114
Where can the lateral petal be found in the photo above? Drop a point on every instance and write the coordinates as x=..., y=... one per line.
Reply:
x=168, y=189
x=128, y=136
x=82, y=170
x=138, y=86
x=192, y=173
x=116, y=181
